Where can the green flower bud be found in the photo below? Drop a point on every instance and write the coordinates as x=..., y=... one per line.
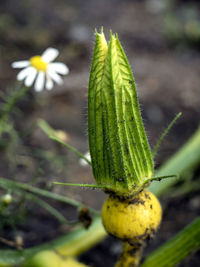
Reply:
x=120, y=153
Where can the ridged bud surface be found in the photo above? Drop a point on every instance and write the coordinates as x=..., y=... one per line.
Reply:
x=120, y=153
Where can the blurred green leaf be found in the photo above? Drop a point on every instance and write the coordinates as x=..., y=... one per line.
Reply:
x=178, y=248
x=182, y=161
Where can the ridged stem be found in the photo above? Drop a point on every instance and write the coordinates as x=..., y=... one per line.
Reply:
x=130, y=256
x=176, y=249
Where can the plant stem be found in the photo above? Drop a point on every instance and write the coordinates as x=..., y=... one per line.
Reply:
x=15, y=96
x=189, y=154
x=172, y=252
x=166, y=131
x=130, y=256
x=6, y=183
x=50, y=132
x=74, y=243
x=46, y=206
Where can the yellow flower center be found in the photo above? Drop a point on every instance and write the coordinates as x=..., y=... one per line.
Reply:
x=38, y=63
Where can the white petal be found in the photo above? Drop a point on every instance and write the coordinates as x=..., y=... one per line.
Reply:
x=30, y=78
x=50, y=54
x=24, y=73
x=39, y=84
x=61, y=68
x=49, y=83
x=83, y=162
x=20, y=64
x=53, y=75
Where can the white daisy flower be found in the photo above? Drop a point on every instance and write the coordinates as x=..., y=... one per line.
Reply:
x=41, y=70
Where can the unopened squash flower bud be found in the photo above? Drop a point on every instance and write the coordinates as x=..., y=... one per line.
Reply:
x=120, y=152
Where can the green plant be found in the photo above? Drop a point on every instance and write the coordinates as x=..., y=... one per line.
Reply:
x=79, y=240
x=120, y=154
x=122, y=165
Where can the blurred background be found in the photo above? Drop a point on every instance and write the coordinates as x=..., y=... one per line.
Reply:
x=162, y=41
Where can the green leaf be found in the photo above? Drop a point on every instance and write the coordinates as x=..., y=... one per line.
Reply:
x=182, y=161
x=178, y=248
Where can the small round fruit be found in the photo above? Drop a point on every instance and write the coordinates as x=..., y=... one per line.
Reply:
x=132, y=219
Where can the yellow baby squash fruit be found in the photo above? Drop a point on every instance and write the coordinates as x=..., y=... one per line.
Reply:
x=133, y=219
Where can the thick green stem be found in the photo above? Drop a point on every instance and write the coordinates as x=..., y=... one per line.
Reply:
x=74, y=243
x=130, y=256
x=176, y=249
